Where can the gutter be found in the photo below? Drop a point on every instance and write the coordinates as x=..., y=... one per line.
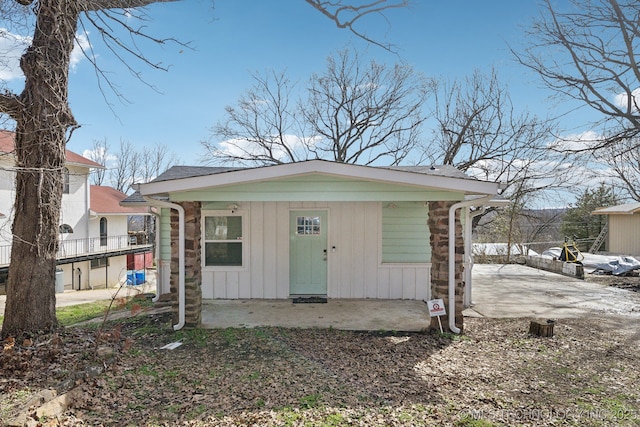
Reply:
x=452, y=255
x=181, y=285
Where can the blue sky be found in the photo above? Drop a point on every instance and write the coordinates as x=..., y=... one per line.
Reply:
x=236, y=37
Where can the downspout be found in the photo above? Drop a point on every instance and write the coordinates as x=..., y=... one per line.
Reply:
x=181, y=291
x=452, y=256
x=157, y=250
x=468, y=253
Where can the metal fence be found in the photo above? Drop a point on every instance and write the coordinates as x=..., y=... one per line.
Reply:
x=70, y=248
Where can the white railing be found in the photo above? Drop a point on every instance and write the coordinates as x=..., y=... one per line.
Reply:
x=71, y=248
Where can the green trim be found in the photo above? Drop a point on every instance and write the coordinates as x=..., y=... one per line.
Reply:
x=405, y=233
x=316, y=188
x=165, y=234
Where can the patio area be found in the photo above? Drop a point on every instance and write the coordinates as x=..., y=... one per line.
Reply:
x=359, y=315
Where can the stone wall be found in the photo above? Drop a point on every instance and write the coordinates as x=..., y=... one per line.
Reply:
x=439, y=228
x=570, y=269
x=192, y=265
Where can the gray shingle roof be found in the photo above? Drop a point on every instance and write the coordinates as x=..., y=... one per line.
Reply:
x=178, y=172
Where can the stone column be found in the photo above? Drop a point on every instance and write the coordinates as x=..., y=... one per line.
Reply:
x=439, y=229
x=192, y=265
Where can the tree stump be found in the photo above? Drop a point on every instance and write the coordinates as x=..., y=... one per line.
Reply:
x=542, y=328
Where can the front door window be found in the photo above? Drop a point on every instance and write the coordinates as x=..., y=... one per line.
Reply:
x=308, y=225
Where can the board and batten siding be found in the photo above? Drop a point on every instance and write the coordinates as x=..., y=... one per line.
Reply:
x=623, y=234
x=355, y=267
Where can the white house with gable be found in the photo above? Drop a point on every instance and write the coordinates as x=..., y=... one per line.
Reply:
x=94, y=242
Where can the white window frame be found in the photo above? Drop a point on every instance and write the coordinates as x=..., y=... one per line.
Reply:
x=245, y=241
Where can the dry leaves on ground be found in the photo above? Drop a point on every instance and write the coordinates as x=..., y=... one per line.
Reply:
x=588, y=374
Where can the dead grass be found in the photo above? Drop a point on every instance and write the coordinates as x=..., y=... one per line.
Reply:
x=588, y=374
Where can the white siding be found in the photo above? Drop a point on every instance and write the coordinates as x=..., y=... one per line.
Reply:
x=96, y=278
x=354, y=269
x=7, y=196
x=75, y=205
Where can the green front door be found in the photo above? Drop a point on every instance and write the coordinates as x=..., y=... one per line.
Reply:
x=308, y=253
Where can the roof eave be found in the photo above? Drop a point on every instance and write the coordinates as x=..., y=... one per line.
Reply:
x=467, y=186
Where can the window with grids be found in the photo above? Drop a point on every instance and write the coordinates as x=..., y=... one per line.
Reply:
x=308, y=225
x=223, y=240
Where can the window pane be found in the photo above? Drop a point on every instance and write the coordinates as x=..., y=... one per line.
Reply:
x=223, y=228
x=308, y=225
x=226, y=254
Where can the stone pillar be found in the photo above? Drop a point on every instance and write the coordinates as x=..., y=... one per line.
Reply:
x=192, y=265
x=439, y=229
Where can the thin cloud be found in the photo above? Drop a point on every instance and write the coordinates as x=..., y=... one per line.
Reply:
x=577, y=142
x=240, y=148
x=622, y=100
x=81, y=47
x=12, y=47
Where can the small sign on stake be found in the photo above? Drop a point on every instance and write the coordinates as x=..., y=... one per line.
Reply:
x=437, y=309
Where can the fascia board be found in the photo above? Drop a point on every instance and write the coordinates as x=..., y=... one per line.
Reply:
x=289, y=170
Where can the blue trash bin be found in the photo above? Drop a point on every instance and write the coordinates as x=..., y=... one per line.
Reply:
x=139, y=277
x=131, y=278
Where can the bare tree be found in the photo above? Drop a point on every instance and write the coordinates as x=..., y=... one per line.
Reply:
x=128, y=165
x=262, y=128
x=44, y=123
x=154, y=160
x=589, y=53
x=621, y=163
x=99, y=153
x=354, y=112
x=365, y=113
x=125, y=170
x=480, y=132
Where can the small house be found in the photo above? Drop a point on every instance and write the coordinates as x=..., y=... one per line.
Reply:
x=309, y=229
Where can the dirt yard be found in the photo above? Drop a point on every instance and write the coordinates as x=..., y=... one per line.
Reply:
x=588, y=374
x=630, y=283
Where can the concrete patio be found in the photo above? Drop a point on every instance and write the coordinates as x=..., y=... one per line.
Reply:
x=365, y=315
x=498, y=291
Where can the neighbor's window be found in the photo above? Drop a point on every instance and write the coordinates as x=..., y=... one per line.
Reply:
x=103, y=231
x=66, y=228
x=100, y=263
x=223, y=240
x=65, y=177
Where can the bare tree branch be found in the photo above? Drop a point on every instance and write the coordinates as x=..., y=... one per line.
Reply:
x=346, y=14
x=10, y=104
x=589, y=54
x=478, y=131
x=95, y=5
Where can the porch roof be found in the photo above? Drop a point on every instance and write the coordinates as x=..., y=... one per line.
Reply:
x=626, y=209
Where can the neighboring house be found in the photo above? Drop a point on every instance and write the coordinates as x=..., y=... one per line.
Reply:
x=93, y=227
x=314, y=228
x=623, y=235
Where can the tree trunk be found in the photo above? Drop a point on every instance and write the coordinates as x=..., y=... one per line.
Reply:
x=42, y=124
